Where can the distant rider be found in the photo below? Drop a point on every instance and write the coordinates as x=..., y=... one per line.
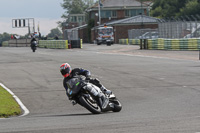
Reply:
x=69, y=73
x=33, y=39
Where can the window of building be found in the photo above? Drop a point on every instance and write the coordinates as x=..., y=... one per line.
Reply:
x=114, y=14
x=127, y=13
x=107, y=14
x=133, y=12
x=73, y=19
x=80, y=19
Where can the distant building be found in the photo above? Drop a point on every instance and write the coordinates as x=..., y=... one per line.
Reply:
x=74, y=20
x=122, y=26
x=118, y=9
x=122, y=15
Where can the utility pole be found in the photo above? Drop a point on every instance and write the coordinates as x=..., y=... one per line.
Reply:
x=99, y=12
x=141, y=11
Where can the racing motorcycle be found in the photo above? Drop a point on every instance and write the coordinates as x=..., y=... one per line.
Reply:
x=77, y=92
x=33, y=45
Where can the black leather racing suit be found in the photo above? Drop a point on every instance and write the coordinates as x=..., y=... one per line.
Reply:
x=81, y=71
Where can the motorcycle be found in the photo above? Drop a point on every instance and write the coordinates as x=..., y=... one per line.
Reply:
x=77, y=92
x=33, y=45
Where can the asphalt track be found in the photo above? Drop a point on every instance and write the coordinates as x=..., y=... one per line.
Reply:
x=159, y=90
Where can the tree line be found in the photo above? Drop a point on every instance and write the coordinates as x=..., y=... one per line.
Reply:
x=175, y=8
x=53, y=33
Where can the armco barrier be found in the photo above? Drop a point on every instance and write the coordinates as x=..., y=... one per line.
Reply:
x=174, y=44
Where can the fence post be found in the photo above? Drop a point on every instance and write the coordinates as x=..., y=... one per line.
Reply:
x=141, y=44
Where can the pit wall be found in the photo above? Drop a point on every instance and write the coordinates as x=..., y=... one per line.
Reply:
x=165, y=44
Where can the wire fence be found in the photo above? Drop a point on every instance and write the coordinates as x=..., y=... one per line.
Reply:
x=143, y=33
x=179, y=29
x=183, y=27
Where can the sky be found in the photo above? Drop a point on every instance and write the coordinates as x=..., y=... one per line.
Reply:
x=45, y=13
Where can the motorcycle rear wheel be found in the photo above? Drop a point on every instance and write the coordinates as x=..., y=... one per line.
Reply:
x=89, y=105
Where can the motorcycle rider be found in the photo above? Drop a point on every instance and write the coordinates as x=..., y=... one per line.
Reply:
x=69, y=73
x=33, y=39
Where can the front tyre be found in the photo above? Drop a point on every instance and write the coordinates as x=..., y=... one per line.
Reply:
x=90, y=104
x=117, y=105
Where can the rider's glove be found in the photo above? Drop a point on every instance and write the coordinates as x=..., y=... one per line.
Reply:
x=88, y=78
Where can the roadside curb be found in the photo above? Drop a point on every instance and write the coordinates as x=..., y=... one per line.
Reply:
x=23, y=107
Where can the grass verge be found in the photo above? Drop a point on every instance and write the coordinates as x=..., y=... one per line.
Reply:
x=8, y=105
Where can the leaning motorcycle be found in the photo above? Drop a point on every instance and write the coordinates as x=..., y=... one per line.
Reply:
x=81, y=96
x=34, y=45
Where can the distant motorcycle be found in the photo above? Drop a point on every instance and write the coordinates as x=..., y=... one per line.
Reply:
x=77, y=92
x=34, y=45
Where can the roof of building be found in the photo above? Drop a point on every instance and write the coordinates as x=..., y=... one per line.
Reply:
x=77, y=28
x=135, y=19
x=120, y=3
x=132, y=20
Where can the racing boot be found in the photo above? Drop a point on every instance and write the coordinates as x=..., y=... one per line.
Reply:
x=106, y=91
x=104, y=101
x=99, y=95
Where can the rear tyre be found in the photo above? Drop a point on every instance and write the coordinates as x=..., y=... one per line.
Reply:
x=90, y=104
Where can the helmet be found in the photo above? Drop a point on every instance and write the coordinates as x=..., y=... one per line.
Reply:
x=65, y=69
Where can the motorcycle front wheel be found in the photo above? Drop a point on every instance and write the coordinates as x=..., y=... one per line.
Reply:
x=33, y=49
x=117, y=105
x=90, y=104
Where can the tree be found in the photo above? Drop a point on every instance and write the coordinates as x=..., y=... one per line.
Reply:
x=75, y=6
x=191, y=8
x=4, y=37
x=91, y=24
x=175, y=8
x=54, y=32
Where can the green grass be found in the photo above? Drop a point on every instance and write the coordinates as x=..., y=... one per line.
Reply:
x=8, y=105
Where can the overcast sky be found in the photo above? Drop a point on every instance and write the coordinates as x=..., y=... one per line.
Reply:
x=45, y=13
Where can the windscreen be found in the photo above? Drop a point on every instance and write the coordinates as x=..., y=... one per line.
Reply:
x=73, y=83
x=105, y=31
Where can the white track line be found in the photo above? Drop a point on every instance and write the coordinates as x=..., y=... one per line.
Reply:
x=25, y=110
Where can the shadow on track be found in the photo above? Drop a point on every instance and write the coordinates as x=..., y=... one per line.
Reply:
x=65, y=115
